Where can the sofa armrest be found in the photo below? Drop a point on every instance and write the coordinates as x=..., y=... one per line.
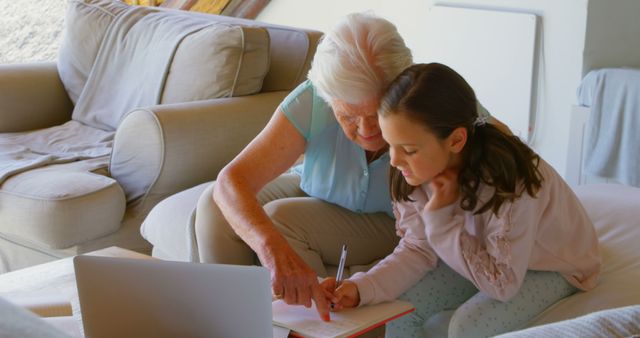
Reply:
x=32, y=96
x=164, y=149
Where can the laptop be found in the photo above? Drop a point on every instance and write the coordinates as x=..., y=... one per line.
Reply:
x=122, y=297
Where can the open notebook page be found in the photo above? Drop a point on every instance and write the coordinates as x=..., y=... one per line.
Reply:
x=346, y=323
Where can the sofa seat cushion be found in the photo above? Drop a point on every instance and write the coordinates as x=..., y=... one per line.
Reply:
x=170, y=226
x=60, y=205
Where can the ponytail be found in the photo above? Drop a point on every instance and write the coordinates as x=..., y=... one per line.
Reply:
x=501, y=161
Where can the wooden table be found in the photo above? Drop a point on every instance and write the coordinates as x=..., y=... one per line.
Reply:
x=55, y=278
x=58, y=277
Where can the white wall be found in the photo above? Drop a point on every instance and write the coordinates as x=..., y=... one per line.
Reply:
x=562, y=24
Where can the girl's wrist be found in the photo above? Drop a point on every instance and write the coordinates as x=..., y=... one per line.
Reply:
x=356, y=295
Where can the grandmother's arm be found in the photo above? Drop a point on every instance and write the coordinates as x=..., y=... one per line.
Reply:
x=271, y=153
x=274, y=150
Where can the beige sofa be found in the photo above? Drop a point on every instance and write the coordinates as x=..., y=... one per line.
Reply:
x=142, y=103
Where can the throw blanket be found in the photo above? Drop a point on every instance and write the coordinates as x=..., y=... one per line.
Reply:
x=129, y=72
x=612, y=142
x=132, y=64
x=618, y=322
x=69, y=142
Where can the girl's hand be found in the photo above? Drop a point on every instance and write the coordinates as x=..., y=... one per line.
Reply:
x=445, y=190
x=345, y=296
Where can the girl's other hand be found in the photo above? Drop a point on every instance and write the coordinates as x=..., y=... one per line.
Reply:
x=345, y=296
x=445, y=190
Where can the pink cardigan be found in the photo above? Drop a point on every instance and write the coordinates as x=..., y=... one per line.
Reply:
x=550, y=232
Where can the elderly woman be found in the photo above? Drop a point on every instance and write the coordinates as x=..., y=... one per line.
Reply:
x=296, y=222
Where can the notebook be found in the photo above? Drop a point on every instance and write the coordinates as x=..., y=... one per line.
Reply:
x=121, y=297
x=305, y=322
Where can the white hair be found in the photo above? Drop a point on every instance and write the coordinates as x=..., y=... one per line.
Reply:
x=358, y=58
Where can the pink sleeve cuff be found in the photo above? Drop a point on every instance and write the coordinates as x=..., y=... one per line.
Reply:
x=365, y=287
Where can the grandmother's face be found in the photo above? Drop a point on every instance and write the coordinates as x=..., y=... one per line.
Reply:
x=360, y=122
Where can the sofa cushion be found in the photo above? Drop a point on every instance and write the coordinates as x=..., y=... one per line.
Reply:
x=170, y=226
x=59, y=206
x=291, y=51
x=86, y=23
x=142, y=58
x=289, y=63
x=222, y=60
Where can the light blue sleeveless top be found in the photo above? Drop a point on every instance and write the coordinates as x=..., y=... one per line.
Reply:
x=335, y=169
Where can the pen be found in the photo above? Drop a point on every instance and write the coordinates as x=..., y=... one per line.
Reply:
x=343, y=258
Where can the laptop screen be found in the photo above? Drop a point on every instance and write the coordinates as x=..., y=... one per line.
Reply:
x=122, y=297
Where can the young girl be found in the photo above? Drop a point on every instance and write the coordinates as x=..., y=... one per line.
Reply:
x=487, y=227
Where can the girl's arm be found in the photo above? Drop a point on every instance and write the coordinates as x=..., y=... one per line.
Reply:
x=496, y=256
x=409, y=261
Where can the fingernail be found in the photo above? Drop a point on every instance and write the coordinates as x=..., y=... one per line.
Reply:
x=326, y=318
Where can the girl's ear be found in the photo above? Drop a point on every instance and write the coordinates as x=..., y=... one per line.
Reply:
x=457, y=139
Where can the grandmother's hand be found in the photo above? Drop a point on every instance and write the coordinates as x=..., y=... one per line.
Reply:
x=445, y=190
x=294, y=281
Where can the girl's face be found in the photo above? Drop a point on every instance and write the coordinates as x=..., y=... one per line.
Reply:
x=360, y=122
x=417, y=152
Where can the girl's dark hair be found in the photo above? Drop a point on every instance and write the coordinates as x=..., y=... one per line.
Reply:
x=437, y=97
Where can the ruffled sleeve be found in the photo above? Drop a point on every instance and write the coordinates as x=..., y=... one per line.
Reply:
x=491, y=250
x=409, y=262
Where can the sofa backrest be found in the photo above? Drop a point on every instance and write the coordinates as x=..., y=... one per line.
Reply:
x=292, y=50
x=87, y=21
x=115, y=58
